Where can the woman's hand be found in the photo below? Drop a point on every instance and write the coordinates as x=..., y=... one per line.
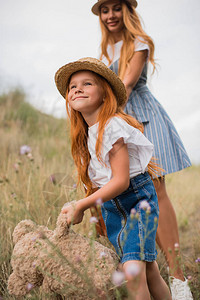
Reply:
x=73, y=213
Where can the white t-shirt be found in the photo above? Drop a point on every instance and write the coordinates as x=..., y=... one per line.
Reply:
x=140, y=150
x=139, y=46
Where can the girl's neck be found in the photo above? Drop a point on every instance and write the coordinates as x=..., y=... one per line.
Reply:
x=90, y=119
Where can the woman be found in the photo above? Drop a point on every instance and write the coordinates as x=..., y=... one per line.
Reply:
x=127, y=49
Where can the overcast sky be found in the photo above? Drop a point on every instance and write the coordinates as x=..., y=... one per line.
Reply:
x=37, y=37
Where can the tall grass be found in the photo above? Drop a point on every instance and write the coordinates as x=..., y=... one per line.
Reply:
x=27, y=190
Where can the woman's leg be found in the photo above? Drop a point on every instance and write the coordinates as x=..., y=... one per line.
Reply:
x=157, y=286
x=136, y=281
x=167, y=232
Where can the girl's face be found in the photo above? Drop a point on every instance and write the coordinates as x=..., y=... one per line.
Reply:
x=111, y=16
x=85, y=93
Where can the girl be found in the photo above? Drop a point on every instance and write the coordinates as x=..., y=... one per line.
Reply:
x=112, y=154
x=127, y=49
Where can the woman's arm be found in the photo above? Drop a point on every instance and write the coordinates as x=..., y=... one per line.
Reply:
x=134, y=70
x=119, y=161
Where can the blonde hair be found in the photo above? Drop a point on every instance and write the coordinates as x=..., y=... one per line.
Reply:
x=132, y=30
x=79, y=132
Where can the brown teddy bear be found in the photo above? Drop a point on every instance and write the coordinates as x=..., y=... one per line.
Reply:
x=61, y=261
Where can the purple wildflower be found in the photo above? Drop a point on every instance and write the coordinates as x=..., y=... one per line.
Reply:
x=133, y=211
x=197, y=260
x=25, y=149
x=29, y=286
x=16, y=167
x=93, y=220
x=99, y=202
x=118, y=278
x=103, y=254
x=52, y=179
x=145, y=205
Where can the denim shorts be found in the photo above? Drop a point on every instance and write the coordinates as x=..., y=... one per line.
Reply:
x=133, y=234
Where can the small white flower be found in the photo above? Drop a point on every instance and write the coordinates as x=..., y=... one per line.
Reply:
x=176, y=245
x=99, y=202
x=133, y=211
x=25, y=149
x=145, y=205
x=133, y=269
x=34, y=239
x=16, y=167
x=118, y=278
x=29, y=286
x=93, y=220
x=103, y=254
x=30, y=156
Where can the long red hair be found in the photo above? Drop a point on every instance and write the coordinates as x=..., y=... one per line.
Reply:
x=79, y=132
x=132, y=30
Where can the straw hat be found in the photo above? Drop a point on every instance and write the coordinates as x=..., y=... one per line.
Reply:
x=96, y=6
x=63, y=75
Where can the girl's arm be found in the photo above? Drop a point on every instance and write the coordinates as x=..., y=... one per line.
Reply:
x=119, y=161
x=134, y=70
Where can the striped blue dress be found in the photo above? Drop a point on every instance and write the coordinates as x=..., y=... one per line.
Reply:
x=158, y=127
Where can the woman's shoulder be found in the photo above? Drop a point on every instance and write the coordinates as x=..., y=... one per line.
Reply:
x=140, y=44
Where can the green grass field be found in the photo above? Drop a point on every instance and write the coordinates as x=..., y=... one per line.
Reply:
x=26, y=191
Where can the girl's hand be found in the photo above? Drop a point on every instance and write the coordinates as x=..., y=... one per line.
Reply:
x=73, y=214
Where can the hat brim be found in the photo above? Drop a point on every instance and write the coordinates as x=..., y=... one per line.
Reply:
x=63, y=75
x=96, y=6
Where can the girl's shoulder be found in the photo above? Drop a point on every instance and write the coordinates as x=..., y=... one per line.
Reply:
x=116, y=126
x=116, y=122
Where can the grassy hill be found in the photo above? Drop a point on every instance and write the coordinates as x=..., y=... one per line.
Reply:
x=28, y=189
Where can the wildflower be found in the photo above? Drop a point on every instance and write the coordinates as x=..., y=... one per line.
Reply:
x=25, y=149
x=99, y=202
x=34, y=264
x=118, y=278
x=93, y=220
x=103, y=254
x=197, y=260
x=90, y=234
x=30, y=156
x=78, y=259
x=29, y=286
x=13, y=195
x=74, y=186
x=123, y=222
x=133, y=211
x=16, y=167
x=53, y=179
x=189, y=277
x=155, y=220
x=176, y=246
x=145, y=205
x=133, y=269
x=5, y=179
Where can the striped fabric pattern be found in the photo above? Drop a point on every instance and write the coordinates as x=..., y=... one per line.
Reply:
x=158, y=127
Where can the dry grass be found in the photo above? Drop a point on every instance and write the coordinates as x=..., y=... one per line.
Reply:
x=27, y=190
